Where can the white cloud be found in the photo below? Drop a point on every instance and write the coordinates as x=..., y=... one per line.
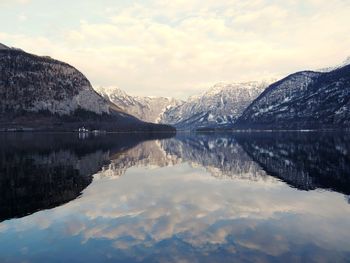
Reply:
x=16, y=2
x=22, y=17
x=179, y=47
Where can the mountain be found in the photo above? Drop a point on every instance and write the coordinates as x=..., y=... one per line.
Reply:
x=2, y=47
x=148, y=109
x=218, y=107
x=43, y=93
x=304, y=100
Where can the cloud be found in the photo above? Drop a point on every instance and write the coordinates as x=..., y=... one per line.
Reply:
x=181, y=47
x=22, y=17
x=14, y=2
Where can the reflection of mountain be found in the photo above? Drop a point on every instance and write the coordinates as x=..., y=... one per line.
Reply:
x=221, y=155
x=147, y=154
x=43, y=171
x=304, y=160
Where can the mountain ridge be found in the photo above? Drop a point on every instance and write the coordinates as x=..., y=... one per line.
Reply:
x=221, y=104
x=147, y=108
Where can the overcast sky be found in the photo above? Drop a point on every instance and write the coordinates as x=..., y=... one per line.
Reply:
x=179, y=48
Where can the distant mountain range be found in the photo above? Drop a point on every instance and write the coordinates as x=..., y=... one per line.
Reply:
x=148, y=109
x=43, y=93
x=220, y=106
x=303, y=100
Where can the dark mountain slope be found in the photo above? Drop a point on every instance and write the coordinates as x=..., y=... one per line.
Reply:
x=304, y=100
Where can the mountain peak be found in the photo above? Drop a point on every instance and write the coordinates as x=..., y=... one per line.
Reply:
x=221, y=105
x=247, y=85
x=110, y=90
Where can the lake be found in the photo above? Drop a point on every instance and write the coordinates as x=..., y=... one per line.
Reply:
x=236, y=197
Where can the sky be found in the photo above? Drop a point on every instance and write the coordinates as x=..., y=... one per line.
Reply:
x=180, y=48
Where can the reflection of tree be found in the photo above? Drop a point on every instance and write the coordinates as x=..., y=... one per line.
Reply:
x=44, y=171
x=32, y=182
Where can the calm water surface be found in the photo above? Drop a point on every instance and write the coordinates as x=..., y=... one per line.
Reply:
x=247, y=197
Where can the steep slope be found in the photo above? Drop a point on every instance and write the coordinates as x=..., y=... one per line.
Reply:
x=304, y=100
x=218, y=107
x=145, y=108
x=43, y=93
x=2, y=47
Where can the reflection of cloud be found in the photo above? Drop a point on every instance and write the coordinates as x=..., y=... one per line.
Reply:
x=143, y=209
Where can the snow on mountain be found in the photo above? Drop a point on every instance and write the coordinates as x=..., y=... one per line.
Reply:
x=220, y=105
x=148, y=109
x=303, y=100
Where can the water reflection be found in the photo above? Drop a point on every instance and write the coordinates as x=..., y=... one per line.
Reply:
x=304, y=160
x=40, y=171
x=199, y=198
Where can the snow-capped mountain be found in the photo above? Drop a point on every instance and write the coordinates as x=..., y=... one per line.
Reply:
x=221, y=105
x=42, y=92
x=304, y=100
x=147, y=109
